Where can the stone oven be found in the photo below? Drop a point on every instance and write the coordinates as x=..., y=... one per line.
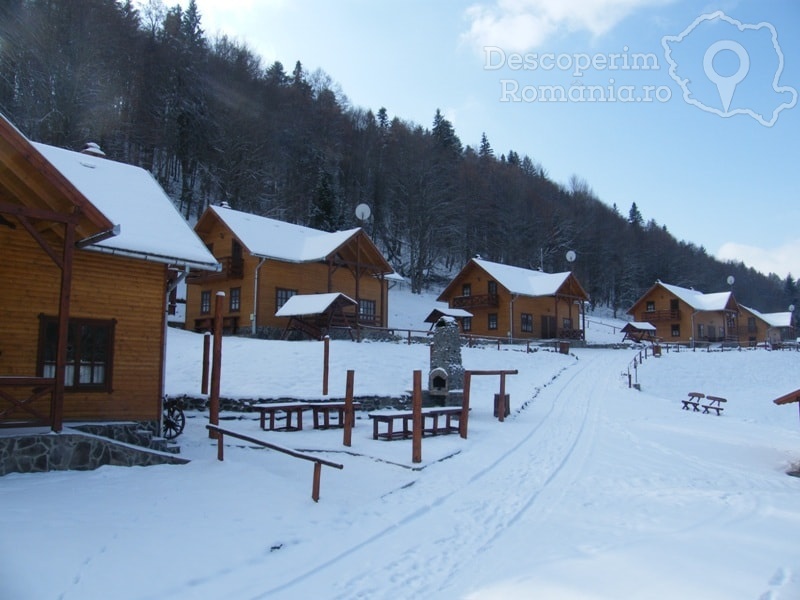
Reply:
x=437, y=382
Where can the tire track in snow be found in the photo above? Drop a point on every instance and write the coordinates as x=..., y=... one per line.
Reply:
x=482, y=505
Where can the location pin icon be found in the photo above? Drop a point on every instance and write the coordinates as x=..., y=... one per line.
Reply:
x=726, y=85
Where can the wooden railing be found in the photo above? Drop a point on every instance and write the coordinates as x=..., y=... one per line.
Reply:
x=649, y=316
x=318, y=462
x=34, y=401
x=477, y=301
x=231, y=269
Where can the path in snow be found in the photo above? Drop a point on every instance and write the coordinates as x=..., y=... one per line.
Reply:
x=504, y=488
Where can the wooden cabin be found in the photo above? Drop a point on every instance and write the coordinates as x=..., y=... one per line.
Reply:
x=90, y=248
x=513, y=302
x=266, y=262
x=686, y=315
x=773, y=329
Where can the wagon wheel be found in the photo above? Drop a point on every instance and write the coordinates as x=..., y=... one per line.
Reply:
x=174, y=421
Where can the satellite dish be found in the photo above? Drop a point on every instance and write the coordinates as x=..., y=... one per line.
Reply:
x=571, y=256
x=731, y=279
x=363, y=212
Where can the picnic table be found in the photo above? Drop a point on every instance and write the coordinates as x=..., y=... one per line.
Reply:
x=321, y=412
x=289, y=408
x=693, y=402
x=714, y=403
x=431, y=423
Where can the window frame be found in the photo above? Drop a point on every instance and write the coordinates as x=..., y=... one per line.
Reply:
x=235, y=300
x=205, y=302
x=526, y=323
x=283, y=294
x=491, y=323
x=47, y=347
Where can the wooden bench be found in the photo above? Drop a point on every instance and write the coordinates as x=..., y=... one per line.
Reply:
x=405, y=418
x=290, y=408
x=322, y=411
x=693, y=401
x=714, y=403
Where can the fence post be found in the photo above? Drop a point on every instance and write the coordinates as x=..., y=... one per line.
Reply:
x=206, y=359
x=348, y=410
x=220, y=446
x=462, y=422
x=416, y=408
x=315, y=484
x=325, y=358
x=216, y=366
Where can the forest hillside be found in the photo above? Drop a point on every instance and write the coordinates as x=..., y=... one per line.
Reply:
x=213, y=124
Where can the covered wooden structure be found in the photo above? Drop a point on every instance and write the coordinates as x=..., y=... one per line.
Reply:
x=639, y=332
x=315, y=315
x=458, y=314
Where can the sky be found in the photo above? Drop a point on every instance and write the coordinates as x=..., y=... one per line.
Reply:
x=688, y=109
x=589, y=490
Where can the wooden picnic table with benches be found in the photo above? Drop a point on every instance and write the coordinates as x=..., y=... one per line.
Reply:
x=430, y=416
x=693, y=402
x=714, y=403
x=290, y=408
x=321, y=412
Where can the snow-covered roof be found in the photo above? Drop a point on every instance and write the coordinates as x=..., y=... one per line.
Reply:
x=699, y=300
x=639, y=326
x=150, y=226
x=270, y=238
x=778, y=319
x=311, y=304
x=526, y=282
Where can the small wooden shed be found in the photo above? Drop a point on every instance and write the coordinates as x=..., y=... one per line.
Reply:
x=639, y=332
x=316, y=314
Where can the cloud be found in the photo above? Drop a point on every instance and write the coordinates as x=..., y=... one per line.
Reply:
x=520, y=25
x=782, y=260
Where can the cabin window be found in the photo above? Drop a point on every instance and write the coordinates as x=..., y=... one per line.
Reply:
x=205, y=302
x=651, y=306
x=236, y=299
x=466, y=323
x=751, y=325
x=701, y=331
x=282, y=296
x=566, y=323
x=366, y=310
x=466, y=289
x=492, y=320
x=527, y=323
x=676, y=330
x=90, y=346
x=492, y=288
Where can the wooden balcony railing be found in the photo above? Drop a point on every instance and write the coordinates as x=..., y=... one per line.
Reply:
x=231, y=269
x=477, y=301
x=651, y=316
x=26, y=401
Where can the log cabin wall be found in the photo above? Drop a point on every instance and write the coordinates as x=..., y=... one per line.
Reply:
x=129, y=291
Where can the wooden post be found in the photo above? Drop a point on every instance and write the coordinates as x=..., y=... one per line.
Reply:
x=462, y=422
x=206, y=359
x=348, y=410
x=416, y=408
x=325, y=360
x=501, y=406
x=65, y=299
x=315, y=484
x=216, y=366
x=220, y=446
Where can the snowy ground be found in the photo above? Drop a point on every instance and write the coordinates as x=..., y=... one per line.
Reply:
x=589, y=490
